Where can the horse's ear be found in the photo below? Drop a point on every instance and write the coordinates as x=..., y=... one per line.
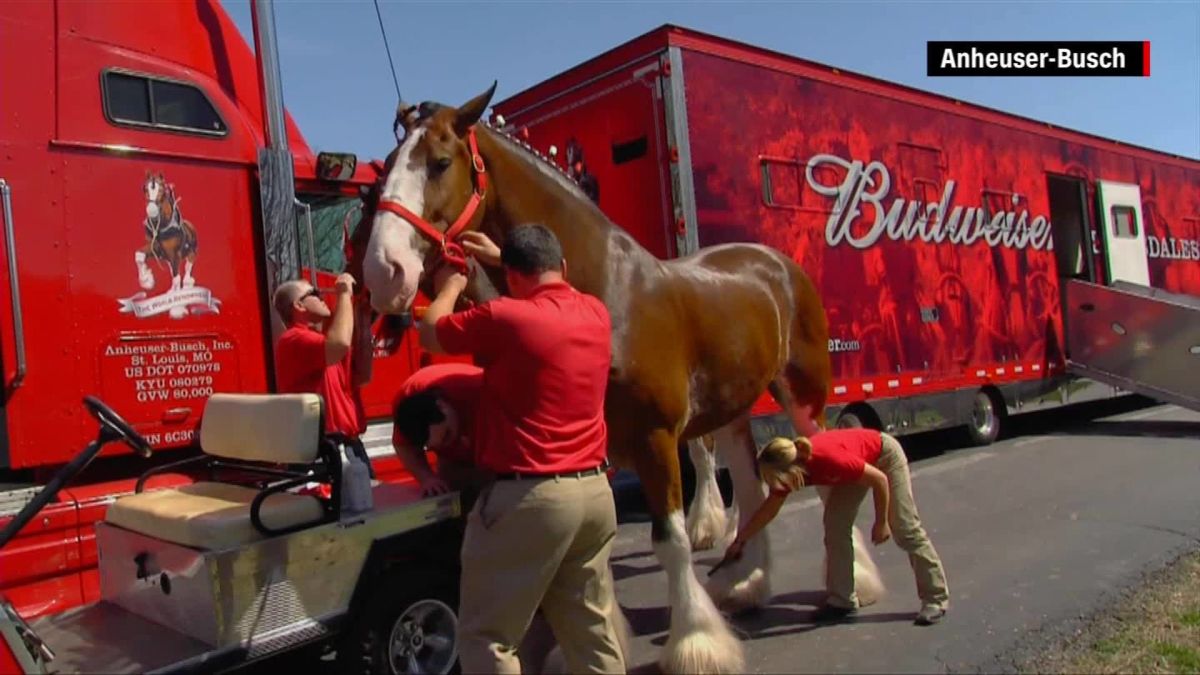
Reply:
x=472, y=110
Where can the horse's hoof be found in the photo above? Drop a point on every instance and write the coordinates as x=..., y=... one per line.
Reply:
x=178, y=312
x=717, y=651
x=189, y=282
x=750, y=592
x=146, y=281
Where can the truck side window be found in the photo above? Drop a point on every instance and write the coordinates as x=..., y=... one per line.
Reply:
x=1124, y=222
x=139, y=100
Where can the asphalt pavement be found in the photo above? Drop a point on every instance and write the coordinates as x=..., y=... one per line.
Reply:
x=1036, y=531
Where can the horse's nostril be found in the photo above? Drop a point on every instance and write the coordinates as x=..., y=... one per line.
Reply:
x=397, y=271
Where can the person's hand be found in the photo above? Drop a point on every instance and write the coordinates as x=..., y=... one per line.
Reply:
x=449, y=279
x=485, y=250
x=344, y=283
x=433, y=486
x=880, y=532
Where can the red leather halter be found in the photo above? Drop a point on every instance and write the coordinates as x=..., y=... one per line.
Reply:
x=451, y=252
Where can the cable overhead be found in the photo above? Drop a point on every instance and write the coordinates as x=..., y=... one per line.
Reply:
x=391, y=64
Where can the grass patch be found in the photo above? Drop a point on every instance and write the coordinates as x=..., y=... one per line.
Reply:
x=1191, y=619
x=1181, y=659
x=1154, y=629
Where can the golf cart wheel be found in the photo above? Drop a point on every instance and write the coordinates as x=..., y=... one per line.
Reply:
x=409, y=626
x=987, y=412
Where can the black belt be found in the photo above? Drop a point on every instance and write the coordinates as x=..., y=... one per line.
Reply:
x=521, y=475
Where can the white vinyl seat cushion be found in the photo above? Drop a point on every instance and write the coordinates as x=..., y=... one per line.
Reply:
x=276, y=428
x=211, y=516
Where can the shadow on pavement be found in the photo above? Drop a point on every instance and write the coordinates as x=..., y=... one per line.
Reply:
x=1137, y=428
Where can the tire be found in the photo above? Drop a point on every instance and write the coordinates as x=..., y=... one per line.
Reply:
x=987, y=414
x=405, y=611
x=850, y=420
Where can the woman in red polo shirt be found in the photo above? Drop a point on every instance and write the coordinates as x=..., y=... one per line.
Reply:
x=851, y=461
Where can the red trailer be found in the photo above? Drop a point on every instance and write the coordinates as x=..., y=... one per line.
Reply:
x=149, y=209
x=972, y=262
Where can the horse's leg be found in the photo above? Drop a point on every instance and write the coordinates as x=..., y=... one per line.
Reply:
x=744, y=583
x=706, y=517
x=700, y=641
x=145, y=276
x=176, y=263
x=188, y=263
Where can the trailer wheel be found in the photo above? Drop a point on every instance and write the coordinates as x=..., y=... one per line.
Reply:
x=858, y=416
x=849, y=420
x=987, y=412
x=409, y=626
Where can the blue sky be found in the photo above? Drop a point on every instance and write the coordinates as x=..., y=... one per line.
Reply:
x=338, y=87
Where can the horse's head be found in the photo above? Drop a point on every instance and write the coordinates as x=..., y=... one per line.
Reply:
x=159, y=198
x=432, y=184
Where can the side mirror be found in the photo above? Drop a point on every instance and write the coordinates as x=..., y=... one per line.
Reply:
x=336, y=165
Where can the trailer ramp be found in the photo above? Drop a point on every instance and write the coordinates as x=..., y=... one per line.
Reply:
x=1140, y=339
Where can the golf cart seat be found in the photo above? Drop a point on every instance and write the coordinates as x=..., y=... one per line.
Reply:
x=251, y=433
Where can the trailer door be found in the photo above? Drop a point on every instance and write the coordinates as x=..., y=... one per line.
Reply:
x=1124, y=234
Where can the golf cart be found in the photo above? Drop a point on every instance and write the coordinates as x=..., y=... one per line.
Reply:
x=226, y=571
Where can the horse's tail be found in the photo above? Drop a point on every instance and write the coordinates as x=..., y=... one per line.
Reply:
x=807, y=368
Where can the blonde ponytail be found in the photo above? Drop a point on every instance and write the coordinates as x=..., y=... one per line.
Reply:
x=781, y=463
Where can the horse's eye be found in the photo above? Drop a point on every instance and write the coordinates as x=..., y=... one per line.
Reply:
x=441, y=164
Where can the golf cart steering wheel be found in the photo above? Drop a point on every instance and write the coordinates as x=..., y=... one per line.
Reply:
x=113, y=423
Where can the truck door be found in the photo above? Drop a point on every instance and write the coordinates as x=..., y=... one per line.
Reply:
x=1123, y=232
x=135, y=229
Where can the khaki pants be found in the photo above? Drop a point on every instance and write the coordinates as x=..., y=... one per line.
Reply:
x=841, y=509
x=464, y=477
x=540, y=542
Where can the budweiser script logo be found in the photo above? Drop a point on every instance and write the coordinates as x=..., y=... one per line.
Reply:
x=865, y=188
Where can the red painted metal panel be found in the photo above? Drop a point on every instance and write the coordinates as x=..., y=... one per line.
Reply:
x=39, y=569
x=204, y=44
x=907, y=306
x=764, y=58
x=618, y=122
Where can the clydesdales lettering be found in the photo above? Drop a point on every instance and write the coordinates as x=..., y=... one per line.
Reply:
x=867, y=186
x=1171, y=248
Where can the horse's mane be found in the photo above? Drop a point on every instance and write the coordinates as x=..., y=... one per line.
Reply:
x=505, y=135
x=536, y=157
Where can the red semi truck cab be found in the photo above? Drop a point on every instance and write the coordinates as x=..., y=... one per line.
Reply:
x=135, y=260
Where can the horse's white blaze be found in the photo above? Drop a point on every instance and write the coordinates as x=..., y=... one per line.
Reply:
x=706, y=518
x=700, y=641
x=152, y=190
x=392, y=265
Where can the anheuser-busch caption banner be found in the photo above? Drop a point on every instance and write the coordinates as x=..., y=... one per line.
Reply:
x=1043, y=59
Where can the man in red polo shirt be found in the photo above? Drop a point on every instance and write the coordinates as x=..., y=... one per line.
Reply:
x=309, y=360
x=434, y=410
x=542, y=532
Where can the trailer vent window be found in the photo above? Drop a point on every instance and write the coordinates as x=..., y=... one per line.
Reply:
x=628, y=151
x=1124, y=222
x=780, y=182
x=139, y=100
